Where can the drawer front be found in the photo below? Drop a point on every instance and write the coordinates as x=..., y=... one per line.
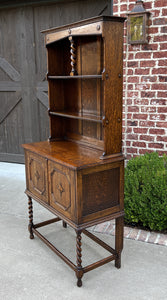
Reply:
x=37, y=180
x=61, y=188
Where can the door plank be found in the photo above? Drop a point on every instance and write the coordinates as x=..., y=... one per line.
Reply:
x=8, y=105
x=9, y=69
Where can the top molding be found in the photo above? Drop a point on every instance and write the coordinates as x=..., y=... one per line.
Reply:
x=84, y=22
x=85, y=27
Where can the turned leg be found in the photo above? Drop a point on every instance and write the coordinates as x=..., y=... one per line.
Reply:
x=64, y=224
x=79, y=270
x=119, y=240
x=30, y=210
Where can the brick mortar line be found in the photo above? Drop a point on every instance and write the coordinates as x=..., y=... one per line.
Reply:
x=159, y=238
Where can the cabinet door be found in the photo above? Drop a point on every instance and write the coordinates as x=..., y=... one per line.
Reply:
x=61, y=189
x=36, y=170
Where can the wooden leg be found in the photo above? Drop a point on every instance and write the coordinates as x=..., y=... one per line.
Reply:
x=79, y=270
x=30, y=210
x=119, y=240
x=64, y=224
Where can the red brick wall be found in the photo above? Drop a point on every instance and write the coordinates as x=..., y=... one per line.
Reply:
x=145, y=83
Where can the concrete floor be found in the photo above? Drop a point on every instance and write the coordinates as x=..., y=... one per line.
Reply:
x=29, y=270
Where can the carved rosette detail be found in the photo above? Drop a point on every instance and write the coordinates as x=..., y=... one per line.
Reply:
x=37, y=175
x=60, y=188
x=73, y=56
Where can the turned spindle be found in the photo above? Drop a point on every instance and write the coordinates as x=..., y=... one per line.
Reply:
x=30, y=211
x=73, y=56
x=79, y=271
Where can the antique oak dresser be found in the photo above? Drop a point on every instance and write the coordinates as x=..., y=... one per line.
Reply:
x=78, y=173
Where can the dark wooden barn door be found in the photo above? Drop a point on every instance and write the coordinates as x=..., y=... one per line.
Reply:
x=23, y=87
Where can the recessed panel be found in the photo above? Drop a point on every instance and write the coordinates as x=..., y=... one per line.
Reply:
x=60, y=189
x=37, y=176
x=100, y=191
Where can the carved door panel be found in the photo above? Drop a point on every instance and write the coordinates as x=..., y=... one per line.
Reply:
x=61, y=188
x=37, y=178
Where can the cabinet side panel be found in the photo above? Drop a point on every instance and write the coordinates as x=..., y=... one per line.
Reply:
x=100, y=190
x=113, y=86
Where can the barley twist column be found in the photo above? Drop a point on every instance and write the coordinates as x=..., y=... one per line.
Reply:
x=79, y=270
x=30, y=211
x=73, y=56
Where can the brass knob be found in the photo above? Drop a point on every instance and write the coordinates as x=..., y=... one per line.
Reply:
x=98, y=27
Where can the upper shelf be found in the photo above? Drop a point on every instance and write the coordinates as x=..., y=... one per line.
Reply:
x=74, y=77
x=76, y=115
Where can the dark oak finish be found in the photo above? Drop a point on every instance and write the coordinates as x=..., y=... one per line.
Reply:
x=119, y=240
x=30, y=211
x=78, y=173
x=79, y=270
x=95, y=94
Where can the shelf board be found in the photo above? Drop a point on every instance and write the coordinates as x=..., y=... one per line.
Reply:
x=74, y=77
x=75, y=115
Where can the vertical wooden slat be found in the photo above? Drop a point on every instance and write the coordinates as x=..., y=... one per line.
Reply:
x=113, y=86
x=79, y=67
x=11, y=121
x=27, y=55
x=99, y=70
